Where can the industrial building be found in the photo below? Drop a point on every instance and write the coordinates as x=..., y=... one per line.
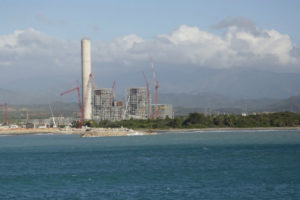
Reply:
x=105, y=106
x=48, y=122
x=164, y=111
x=137, y=104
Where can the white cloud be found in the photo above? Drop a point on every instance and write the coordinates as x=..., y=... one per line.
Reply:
x=238, y=47
x=241, y=45
x=31, y=47
x=30, y=59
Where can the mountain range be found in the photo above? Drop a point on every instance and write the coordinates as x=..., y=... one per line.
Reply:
x=183, y=104
x=186, y=103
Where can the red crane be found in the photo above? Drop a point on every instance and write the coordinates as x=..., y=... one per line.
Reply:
x=148, y=97
x=156, y=89
x=6, y=113
x=93, y=78
x=112, y=93
x=79, y=102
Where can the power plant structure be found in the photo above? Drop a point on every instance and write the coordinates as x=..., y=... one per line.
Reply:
x=137, y=103
x=101, y=104
x=86, y=63
x=105, y=105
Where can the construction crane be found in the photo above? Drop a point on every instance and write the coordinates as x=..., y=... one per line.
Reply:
x=79, y=102
x=112, y=94
x=53, y=119
x=156, y=89
x=27, y=116
x=94, y=81
x=148, y=97
x=6, y=113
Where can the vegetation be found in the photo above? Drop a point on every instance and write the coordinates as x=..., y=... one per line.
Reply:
x=199, y=120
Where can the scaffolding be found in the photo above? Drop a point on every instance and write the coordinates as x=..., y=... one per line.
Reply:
x=137, y=103
x=105, y=106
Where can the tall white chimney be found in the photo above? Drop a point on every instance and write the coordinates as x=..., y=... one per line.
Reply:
x=86, y=61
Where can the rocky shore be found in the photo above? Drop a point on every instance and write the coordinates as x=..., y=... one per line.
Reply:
x=84, y=132
x=102, y=132
x=107, y=132
x=23, y=131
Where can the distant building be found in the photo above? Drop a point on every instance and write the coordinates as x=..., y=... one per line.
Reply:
x=137, y=103
x=13, y=126
x=29, y=125
x=65, y=121
x=244, y=114
x=105, y=106
x=40, y=122
x=164, y=111
x=136, y=106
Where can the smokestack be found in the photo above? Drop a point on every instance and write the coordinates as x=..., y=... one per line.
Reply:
x=86, y=71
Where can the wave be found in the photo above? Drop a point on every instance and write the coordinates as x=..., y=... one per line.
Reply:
x=134, y=134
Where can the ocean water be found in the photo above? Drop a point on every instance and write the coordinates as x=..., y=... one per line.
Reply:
x=194, y=165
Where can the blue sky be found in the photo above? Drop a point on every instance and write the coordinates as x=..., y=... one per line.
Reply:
x=106, y=20
x=40, y=42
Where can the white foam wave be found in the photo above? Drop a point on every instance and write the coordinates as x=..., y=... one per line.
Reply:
x=134, y=134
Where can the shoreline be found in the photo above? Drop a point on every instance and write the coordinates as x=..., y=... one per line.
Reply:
x=175, y=130
x=103, y=132
x=84, y=132
x=30, y=131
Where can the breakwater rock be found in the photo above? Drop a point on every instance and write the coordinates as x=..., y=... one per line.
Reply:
x=104, y=132
x=24, y=131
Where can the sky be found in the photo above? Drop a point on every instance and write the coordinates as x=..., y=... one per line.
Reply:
x=106, y=20
x=40, y=40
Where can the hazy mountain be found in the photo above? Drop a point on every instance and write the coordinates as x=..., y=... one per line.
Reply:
x=214, y=101
x=203, y=100
x=183, y=105
x=33, y=97
x=13, y=97
x=66, y=109
x=233, y=83
x=224, y=83
x=291, y=104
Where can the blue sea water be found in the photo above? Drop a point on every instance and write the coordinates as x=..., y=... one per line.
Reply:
x=194, y=165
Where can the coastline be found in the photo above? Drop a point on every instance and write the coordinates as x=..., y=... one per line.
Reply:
x=108, y=132
x=25, y=131
x=84, y=132
x=176, y=130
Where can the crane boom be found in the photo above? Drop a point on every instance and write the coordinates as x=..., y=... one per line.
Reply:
x=156, y=89
x=69, y=91
x=79, y=102
x=53, y=119
x=148, y=97
x=93, y=77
